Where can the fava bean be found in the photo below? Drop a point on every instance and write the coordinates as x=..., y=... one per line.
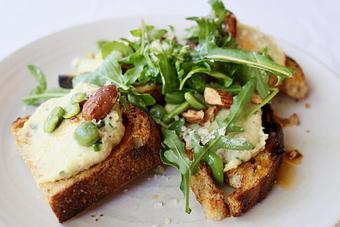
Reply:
x=71, y=110
x=54, y=119
x=194, y=101
x=78, y=97
x=178, y=110
x=86, y=134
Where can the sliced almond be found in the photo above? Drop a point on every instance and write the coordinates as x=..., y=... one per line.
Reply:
x=209, y=114
x=193, y=116
x=256, y=99
x=218, y=97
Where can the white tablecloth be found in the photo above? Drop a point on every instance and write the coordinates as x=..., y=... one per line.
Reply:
x=311, y=25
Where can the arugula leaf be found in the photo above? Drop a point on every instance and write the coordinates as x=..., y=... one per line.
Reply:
x=207, y=30
x=107, y=48
x=265, y=101
x=235, y=128
x=89, y=77
x=177, y=157
x=157, y=111
x=109, y=70
x=182, y=60
x=240, y=102
x=229, y=143
x=251, y=59
x=139, y=32
x=262, y=86
x=35, y=99
x=40, y=77
x=205, y=153
x=134, y=45
x=168, y=73
x=246, y=73
x=100, y=43
x=40, y=93
x=216, y=74
x=132, y=74
x=141, y=100
x=218, y=9
x=197, y=83
x=177, y=125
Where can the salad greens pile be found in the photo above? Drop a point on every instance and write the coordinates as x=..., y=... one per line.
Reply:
x=154, y=57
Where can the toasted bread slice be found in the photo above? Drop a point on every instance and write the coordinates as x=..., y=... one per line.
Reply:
x=252, y=39
x=137, y=153
x=209, y=194
x=295, y=86
x=252, y=180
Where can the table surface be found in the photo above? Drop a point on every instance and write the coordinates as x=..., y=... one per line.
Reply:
x=311, y=25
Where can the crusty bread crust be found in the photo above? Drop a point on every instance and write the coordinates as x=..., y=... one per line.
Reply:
x=256, y=177
x=137, y=153
x=252, y=180
x=208, y=194
x=295, y=86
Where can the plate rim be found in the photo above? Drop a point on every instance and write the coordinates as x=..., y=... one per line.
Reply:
x=23, y=48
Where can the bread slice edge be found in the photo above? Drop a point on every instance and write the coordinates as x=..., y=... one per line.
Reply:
x=136, y=154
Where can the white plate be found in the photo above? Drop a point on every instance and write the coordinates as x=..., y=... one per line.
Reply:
x=156, y=199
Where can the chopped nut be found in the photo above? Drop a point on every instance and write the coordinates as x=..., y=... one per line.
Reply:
x=218, y=97
x=230, y=24
x=209, y=114
x=256, y=99
x=272, y=81
x=193, y=116
x=307, y=105
x=290, y=121
x=294, y=119
x=155, y=197
x=293, y=156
